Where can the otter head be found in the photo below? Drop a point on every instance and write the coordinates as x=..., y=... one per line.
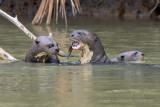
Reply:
x=80, y=38
x=90, y=46
x=43, y=49
x=129, y=56
x=46, y=44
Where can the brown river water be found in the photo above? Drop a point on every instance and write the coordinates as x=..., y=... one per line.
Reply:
x=68, y=84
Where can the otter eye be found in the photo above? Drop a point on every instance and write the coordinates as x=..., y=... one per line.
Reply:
x=37, y=42
x=96, y=39
x=79, y=33
x=122, y=57
x=51, y=45
x=135, y=53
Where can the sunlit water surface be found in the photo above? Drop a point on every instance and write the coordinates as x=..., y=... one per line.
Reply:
x=25, y=84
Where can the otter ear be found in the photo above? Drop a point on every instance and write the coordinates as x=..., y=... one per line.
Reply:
x=37, y=42
x=95, y=38
x=122, y=57
x=50, y=35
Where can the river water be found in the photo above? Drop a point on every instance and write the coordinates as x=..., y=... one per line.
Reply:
x=68, y=84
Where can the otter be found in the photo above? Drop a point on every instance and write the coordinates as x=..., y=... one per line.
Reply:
x=43, y=49
x=129, y=56
x=90, y=46
x=92, y=50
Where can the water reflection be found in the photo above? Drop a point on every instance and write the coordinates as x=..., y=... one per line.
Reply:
x=63, y=85
x=72, y=86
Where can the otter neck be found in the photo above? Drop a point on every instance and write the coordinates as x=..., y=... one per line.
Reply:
x=85, y=55
x=32, y=53
x=99, y=55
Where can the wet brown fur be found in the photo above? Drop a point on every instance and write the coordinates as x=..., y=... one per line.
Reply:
x=40, y=51
x=91, y=48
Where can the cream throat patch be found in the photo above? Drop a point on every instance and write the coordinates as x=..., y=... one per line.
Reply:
x=85, y=55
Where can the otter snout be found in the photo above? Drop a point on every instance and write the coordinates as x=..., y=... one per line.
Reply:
x=72, y=35
x=57, y=50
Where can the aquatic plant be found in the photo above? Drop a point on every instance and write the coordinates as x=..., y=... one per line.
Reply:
x=54, y=7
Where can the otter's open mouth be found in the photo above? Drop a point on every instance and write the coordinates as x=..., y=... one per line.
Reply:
x=76, y=45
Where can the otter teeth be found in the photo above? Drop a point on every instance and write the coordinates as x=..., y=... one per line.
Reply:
x=75, y=45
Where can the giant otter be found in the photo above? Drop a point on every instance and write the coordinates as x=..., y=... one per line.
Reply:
x=43, y=49
x=90, y=46
x=129, y=56
x=92, y=51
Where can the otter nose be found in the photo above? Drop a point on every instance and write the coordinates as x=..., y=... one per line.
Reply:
x=57, y=50
x=72, y=35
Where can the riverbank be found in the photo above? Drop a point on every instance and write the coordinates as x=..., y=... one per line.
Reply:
x=122, y=9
